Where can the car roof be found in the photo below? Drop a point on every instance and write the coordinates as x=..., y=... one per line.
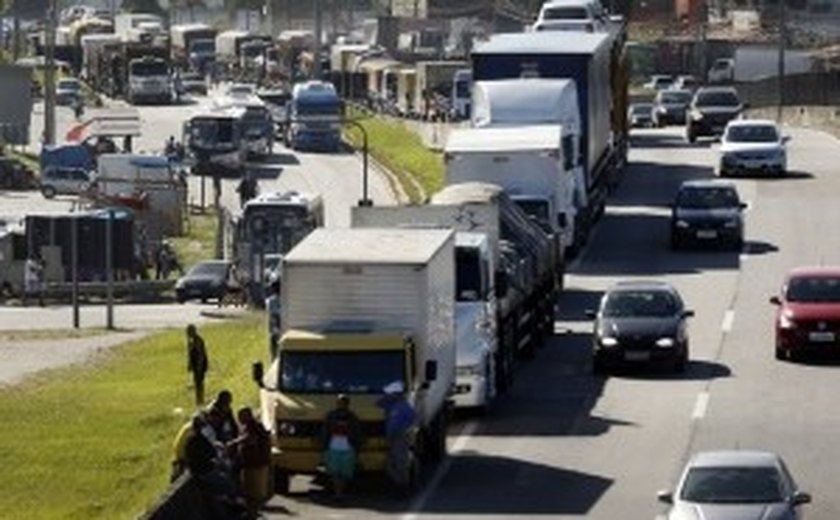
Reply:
x=734, y=458
x=707, y=183
x=752, y=122
x=815, y=271
x=706, y=90
x=642, y=285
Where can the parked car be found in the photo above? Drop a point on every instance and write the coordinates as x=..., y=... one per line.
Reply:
x=670, y=107
x=571, y=15
x=710, y=111
x=68, y=91
x=752, y=146
x=65, y=181
x=808, y=315
x=15, y=175
x=193, y=83
x=207, y=280
x=640, y=115
x=707, y=212
x=640, y=322
x=659, y=82
x=725, y=485
x=685, y=82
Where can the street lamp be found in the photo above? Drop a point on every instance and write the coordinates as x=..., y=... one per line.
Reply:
x=365, y=200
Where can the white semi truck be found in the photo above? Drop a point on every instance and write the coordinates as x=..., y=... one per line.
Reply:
x=361, y=309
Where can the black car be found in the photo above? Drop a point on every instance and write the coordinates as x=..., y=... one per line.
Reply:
x=670, y=107
x=204, y=281
x=710, y=110
x=707, y=212
x=640, y=323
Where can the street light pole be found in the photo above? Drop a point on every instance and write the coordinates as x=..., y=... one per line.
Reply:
x=782, y=45
x=109, y=270
x=365, y=200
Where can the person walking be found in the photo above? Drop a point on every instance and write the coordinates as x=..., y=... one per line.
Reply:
x=340, y=439
x=253, y=454
x=33, y=280
x=400, y=418
x=197, y=362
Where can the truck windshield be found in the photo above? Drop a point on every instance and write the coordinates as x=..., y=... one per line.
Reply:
x=276, y=228
x=149, y=68
x=257, y=121
x=566, y=13
x=203, y=46
x=211, y=131
x=468, y=274
x=318, y=108
x=349, y=372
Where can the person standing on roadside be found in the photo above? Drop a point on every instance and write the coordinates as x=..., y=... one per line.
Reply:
x=33, y=280
x=197, y=362
x=221, y=414
x=400, y=418
x=341, y=444
x=253, y=451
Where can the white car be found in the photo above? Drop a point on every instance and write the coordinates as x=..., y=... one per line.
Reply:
x=571, y=15
x=752, y=146
x=659, y=82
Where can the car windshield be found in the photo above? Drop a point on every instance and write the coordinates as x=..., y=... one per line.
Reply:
x=637, y=304
x=732, y=485
x=813, y=289
x=215, y=269
x=326, y=372
x=566, y=13
x=717, y=99
x=707, y=198
x=675, y=97
x=752, y=134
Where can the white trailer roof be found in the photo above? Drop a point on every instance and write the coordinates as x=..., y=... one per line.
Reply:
x=536, y=137
x=548, y=42
x=369, y=246
x=525, y=100
x=468, y=193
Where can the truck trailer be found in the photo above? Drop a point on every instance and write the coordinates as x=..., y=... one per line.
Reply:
x=362, y=309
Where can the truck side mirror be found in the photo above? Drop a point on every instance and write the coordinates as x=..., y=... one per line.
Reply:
x=257, y=373
x=431, y=371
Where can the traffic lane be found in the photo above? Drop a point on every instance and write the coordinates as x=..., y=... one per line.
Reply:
x=780, y=406
x=15, y=204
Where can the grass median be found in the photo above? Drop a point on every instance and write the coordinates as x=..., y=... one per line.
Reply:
x=199, y=241
x=94, y=441
x=401, y=151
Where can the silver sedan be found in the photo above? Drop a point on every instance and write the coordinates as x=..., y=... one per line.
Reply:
x=742, y=485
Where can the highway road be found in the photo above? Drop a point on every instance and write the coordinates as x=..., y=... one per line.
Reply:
x=566, y=444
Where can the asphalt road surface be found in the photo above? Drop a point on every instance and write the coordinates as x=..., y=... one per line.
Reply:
x=566, y=444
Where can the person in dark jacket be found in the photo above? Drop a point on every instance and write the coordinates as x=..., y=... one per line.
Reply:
x=253, y=453
x=197, y=362
x=341, y=438
x=221, y=417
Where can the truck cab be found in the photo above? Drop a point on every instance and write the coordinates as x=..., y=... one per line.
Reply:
x=214, y=142
x=315, y=112
x=149, y=80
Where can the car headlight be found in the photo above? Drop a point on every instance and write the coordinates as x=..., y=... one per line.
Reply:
x=609, y=341
x=286, y=428
x=682, y=224
x=469, y=370
x=665, y=342
x=785, y=322
x=696, y=114
x=731, y=224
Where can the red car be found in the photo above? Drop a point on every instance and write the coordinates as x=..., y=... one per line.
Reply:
x=808, y=318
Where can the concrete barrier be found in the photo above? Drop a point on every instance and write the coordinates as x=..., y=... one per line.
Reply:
x=182, y=501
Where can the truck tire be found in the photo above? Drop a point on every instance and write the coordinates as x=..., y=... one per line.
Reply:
x=435, y=441
x=281, y=481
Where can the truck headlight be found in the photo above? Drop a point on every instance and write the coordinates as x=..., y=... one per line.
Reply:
x=286, y=429
x=665, y=342
x=609, y=341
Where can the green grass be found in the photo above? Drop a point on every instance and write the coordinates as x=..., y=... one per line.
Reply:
x=199, y=241
x=401, y=151
x=94, y=442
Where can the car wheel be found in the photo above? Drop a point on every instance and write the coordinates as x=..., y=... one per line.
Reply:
x=48, y=192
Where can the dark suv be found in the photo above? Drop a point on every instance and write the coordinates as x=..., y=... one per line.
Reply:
x=710, y=110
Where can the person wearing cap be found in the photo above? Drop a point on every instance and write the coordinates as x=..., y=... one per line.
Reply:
x=340, y=439
x=399, y=420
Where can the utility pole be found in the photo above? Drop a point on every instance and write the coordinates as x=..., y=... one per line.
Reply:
x=49, y=75
x=782, y=46
x=318, y=73
x=109, y=270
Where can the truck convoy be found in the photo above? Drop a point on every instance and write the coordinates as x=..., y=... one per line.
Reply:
x=382, y=302
x=596, y=64
x=507, y=279
x=314, y=113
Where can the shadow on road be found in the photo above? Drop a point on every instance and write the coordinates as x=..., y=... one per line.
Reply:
x=282, y=159
x=656, y=184
x=757, y=248
x=789, y=176
x=507, y=486
x=697, y=370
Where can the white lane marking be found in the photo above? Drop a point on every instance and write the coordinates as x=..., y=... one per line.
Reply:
x=728, y=320
x=460, y=442
x=700, y=406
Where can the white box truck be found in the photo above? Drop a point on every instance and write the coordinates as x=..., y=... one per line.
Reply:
x=361, y=309
x=476, y=304
x=528, y=162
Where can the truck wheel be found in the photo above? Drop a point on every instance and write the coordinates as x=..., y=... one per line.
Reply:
x=436, y=439
x=281, y=481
